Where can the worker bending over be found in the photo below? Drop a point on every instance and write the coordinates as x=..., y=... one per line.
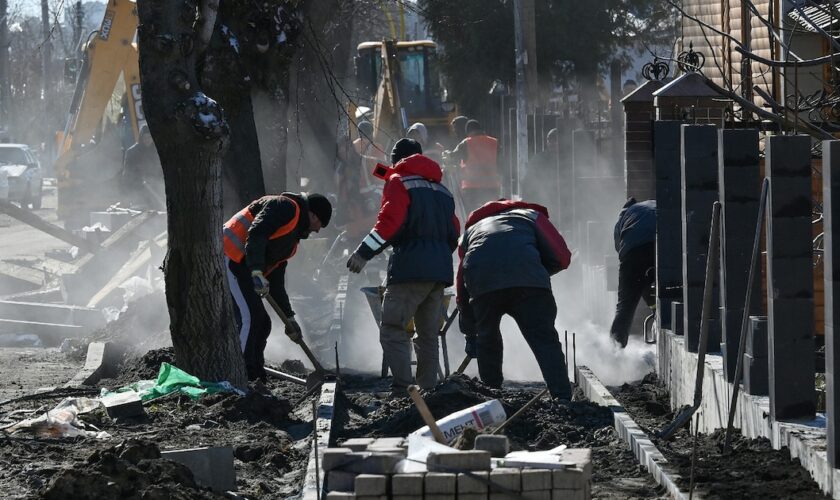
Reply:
x=417, y=218
x=635, y=242
x=508, y=253
x=258, y=242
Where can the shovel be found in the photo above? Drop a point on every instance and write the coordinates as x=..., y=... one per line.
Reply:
x=315, y=377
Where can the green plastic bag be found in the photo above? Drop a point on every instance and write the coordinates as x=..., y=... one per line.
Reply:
x=171, y=379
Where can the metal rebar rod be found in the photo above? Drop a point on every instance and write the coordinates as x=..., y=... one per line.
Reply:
x=742, y=342
x=574, y=355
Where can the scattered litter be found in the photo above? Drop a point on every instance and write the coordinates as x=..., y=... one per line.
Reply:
x=487, y=414
x=61, y=421
x=172, y=379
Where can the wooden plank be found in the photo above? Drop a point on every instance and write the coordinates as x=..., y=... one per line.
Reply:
x=40, y=224
x=135, y=263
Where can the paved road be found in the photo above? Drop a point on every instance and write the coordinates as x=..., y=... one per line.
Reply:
x=23, y=370
x=18, y=240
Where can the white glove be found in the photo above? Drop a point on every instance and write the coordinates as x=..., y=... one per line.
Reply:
x=260, y=283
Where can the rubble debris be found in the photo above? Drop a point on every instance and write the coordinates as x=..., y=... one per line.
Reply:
x=716, y=476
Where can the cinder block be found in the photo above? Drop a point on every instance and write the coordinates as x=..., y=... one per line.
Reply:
x=371, y=484
x=568, y=479
x=334, y=458
x=505, y=479
x=475, y=482
x=338, y=480
x=212, y=467
x=460, y=460
x=370, y=462
x=357, y=444
x=440, y=483
x=407, y=484
x=498, y=445
x=123, y=405
x=536, y=479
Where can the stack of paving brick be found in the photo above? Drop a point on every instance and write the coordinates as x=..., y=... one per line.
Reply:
x=364, y=469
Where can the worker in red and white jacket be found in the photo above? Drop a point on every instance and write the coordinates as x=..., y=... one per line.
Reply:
x=417, y=218
x=508, y=253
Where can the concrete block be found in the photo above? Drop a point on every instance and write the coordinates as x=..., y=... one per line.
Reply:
x=497, y=445
x=504, y=496
x=402, y=452
x=440, y=483
x=790, y=237
x=123, y=405
x=371, y=497
x=677, y=323
x=536, y=479
x=757, y=337
x=212, y=466
x=788, y=155
x=370, y=463
x=537, y=495
x=407, y=484
x=338, y=480
x=371, y=484
x=357, y=444
x=473, y=496
x=462, y=460
x=568, y=479
x=791, y=278
x=580, y=494
x=475, y=483
x=505, y=480
x=756, y=377
x=334, y=458
x=341, y=495
x=392, y=442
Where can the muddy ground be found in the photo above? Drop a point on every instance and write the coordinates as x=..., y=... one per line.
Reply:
x=267, y=434
x=752, y=470
x=372, y=412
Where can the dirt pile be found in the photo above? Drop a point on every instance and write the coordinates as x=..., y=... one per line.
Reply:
x=373, y=412
x=131, y=470
x=752, y=470
x=134, y=367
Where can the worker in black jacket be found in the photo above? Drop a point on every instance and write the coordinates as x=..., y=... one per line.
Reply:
x=635, y=242
x=258, y=242
x=508, y=253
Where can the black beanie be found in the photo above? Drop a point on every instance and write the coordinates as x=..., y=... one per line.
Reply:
x=321, y=207
x=404, y=148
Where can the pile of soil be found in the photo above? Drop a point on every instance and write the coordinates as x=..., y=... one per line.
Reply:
x=268, y=436
x=753, y=469
x=372, y=412
x=133, y=367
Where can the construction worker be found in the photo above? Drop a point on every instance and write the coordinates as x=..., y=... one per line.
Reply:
x=417, y=218
x=420, y=133
x=458, y=129
x=635, y=242
x=508, y=253
x=258, y=242
x=479, y=172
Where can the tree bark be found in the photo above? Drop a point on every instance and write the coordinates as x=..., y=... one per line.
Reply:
x=191, y=136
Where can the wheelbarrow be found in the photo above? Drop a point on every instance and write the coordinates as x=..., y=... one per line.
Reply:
x=375, y=295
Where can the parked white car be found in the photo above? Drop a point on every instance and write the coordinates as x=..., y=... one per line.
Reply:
x=24, y=179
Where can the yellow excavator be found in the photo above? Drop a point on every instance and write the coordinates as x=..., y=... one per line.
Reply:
x=109, y=57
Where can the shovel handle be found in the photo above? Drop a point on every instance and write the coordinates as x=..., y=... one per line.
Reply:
x=301, y=342
x=285, y=376
x=420, y=403
x=464, y=364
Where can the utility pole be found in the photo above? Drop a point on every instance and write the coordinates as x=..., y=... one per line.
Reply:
x=521, y=56
x=5, y=88
x=80, y=17
x=46, y=74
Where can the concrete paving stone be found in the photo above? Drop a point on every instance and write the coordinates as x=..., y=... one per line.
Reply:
x=475, y=482
x=402, y=452
x=566, y=494
x=439, y=483
x=445, y=496
x=391, y=442
x=677, y=323
x=334, y=458
x=371, y=497
x=474, y=496
x=341, y=495
x=569, y=478
x=462, y=460
x=756, y=376
x=497, y=445
x=407, y=484
x=504, y=496
x=123, y=405
x=406, y=497
x=366, y=462
x=341, y=481
x=537, y=495
x=536, y=479
x=357, y=444
x=371, y=484
x=757, y=337
x=504, y=479
x=211, y=466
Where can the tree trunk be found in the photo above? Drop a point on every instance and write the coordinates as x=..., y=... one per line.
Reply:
x=46, y=74
x=271, y=114
x=191, y=136
x=5, y=88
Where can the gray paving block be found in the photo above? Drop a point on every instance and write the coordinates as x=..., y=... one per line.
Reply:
x=757, y=337
x=505, y=479
x=677, y=318
x=340, y=495
x=536, y=479
x=371, y=484
x=123, y=405
x=475, y=482
x=338, y=480
x=212, y=466
x=440, y=483
x=568, y=479
x=357, y=444
x=407, y=484
x=335, y=457
x=537, y=495
x=497, y=445
x=460, y=460
x=756, y=377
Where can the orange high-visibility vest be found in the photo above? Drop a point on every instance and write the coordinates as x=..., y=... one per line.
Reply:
x=480, y=169
x=236, y=235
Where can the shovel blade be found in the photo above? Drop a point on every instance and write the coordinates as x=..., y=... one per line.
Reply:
x=681, y=419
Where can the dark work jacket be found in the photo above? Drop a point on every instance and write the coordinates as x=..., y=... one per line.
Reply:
x=416, y=217
x=636, y=226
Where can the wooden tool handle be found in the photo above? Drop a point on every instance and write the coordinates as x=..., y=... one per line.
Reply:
x=414, y=392
x=464, y=364
x=287, y=322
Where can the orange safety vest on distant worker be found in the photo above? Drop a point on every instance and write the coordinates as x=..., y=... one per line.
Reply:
x=480, y=170
x=236, y=235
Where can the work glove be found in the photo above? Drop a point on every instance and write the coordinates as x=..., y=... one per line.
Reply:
x=260, y=283
x=471, y=347
x=293, y=330
x=356, y=263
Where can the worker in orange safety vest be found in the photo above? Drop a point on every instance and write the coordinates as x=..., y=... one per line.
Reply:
x=477, y=156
